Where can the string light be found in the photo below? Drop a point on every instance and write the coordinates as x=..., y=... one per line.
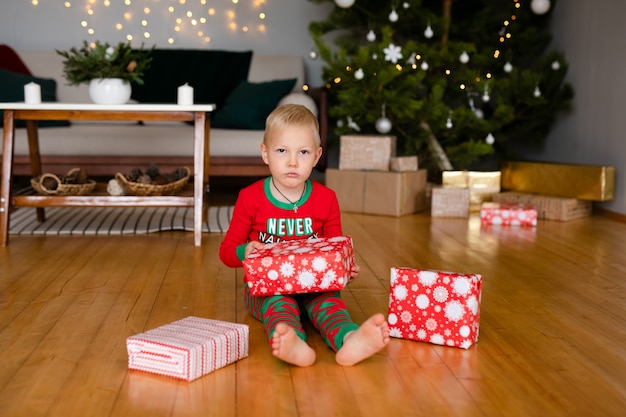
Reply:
x=182, y=16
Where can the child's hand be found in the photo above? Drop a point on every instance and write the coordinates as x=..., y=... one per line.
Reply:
x=252, y=246
x=355, y=271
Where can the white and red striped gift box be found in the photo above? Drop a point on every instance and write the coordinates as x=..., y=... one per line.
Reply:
x=188, y=348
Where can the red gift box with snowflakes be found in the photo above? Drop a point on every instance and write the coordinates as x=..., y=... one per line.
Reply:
x=438, y=307
x=188, y=348
x=508, y=214
x=300, y=266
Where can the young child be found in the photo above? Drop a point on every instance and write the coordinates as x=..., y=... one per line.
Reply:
x=291, y=148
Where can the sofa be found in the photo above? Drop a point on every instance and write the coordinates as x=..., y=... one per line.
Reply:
x=104, y=148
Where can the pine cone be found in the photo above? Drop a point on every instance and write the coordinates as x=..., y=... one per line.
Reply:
x=153, y=171
x=134, y=175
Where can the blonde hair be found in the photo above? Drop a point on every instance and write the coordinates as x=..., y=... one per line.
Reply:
x=291, y=115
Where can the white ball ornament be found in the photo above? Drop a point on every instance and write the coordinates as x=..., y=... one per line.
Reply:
x=540, y=6
x=393, y=16
x=313, y=54
x=383, y=125
x=556, y=65
x=508, y=67
x=537, y=92
x=464, y=58
x=371, y=36
x=424, y=65
x=359, y=74
x=490, y=139
x=344, y=4
x=428, y=33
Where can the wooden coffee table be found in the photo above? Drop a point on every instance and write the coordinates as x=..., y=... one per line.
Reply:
x=79, y=111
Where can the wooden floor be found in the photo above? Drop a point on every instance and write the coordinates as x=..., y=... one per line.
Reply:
x=552, y=333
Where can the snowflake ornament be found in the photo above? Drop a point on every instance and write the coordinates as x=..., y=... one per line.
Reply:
x=393, y=53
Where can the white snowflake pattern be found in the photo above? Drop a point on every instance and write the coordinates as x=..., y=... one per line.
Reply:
x=461, y=285
x=329, y=277
x=465, y=344
x=421, y=334
x=393, y=53
x=395, y=332
x=431, y=324
x=472, y=304
x=406, y=317
x=393, y=276
x=272, y=274
x=454, y=311
x=392, y=319
x=422, y=301
x=319, y=264
x=428, y=278
x=306, y=279
x=440, y=294
x=464, y=331
x=400, y=292
x=437, y=339
x=287, y=269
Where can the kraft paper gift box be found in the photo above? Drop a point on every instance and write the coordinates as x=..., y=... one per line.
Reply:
x=450, y=202
x=508, y=214
x=377, y=192
x=549, y=207
x=438, y=307
x=300, y=266
x=189, y=348
x=369, y=152
x=482, y=184
x=583, y=182
x=403, y=163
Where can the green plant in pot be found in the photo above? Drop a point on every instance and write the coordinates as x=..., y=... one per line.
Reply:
x=108, y=69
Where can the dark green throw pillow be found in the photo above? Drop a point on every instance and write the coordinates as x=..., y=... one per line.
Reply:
x=12, y=90
x=249, y=104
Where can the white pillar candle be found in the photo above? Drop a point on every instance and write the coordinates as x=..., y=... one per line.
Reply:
x=32, y=93
x=185, y=95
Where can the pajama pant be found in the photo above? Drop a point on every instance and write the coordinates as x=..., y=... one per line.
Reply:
x=326, y=310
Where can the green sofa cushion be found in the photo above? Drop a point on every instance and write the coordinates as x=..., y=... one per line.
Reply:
x=249, y=104
x=12, y=90
x=213, y=74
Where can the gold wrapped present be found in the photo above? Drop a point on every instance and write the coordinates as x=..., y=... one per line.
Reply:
x=369, y=152
x=403, y=163
x=584, y=182
x=549, y=207
x=378, y=192
x=482, y=184
x=450, y=202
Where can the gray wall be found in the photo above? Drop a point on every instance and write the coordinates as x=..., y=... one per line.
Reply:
x=591, y=34
x=50, y=25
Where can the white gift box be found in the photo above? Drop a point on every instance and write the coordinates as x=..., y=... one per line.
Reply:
x=188, y=348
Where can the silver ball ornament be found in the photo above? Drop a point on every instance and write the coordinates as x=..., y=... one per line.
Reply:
x=383, y=125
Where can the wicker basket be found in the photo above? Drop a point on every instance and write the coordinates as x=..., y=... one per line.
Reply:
x=62, y=189
x=139, y=189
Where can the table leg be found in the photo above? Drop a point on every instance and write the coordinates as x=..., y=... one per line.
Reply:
x=35, y=158
x=7, y=167
x=199, y=136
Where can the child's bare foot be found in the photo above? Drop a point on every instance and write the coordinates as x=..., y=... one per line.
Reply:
x=372, y=336
x=287, y=346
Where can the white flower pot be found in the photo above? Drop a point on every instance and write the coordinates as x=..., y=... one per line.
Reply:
x=109, y=90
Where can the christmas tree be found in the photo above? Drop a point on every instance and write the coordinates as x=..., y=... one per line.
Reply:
x=461, y=84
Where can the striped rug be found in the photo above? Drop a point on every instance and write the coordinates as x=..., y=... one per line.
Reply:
x=115, y=221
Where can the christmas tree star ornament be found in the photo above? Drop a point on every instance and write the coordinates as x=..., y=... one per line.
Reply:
x=540, y=6
x=344, y=4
